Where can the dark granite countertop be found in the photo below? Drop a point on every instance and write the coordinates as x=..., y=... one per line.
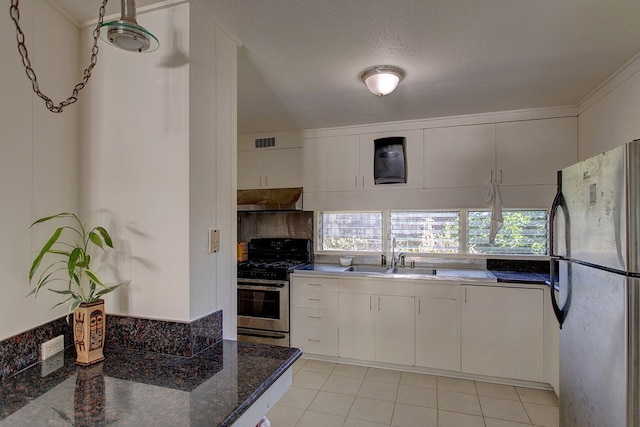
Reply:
x=136, y=388
x=520, y=277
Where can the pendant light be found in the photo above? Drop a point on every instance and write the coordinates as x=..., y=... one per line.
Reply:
x=126, y=33
x=382, y=79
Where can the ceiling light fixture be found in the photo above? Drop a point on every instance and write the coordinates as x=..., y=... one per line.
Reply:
x=127, y=34
x=382, y=79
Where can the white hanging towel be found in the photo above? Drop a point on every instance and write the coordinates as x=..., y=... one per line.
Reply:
x=492, y=197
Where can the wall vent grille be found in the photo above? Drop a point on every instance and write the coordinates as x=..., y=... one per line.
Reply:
x=265, y=142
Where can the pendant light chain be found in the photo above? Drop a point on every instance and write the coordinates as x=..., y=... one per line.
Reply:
x=31, y=74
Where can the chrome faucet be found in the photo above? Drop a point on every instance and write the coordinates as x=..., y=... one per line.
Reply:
x=401, y=255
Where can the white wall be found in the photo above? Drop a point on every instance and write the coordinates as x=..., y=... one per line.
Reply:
x=38, y=153
x=610, y=115
x=160, y=138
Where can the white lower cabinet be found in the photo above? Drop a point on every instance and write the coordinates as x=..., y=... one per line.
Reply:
x=502, y=332
x=438, y=332
x=376, y=327
x=479, y=329
x=314, y=315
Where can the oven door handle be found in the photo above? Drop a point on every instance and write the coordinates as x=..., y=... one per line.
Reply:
x=276, y=336
x=260, y=284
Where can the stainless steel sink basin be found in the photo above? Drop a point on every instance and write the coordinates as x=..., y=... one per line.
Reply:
x=381, y=269
x=413, y=271
x=368, y=268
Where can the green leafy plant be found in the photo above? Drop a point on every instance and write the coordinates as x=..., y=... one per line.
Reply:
x=70, y=245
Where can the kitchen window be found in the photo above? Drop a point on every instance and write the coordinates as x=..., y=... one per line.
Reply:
x=523, y=232
x=350, y=231
x=426, y=231
x=464, y=231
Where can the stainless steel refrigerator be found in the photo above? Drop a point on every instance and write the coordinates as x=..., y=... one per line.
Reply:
x=595, y=225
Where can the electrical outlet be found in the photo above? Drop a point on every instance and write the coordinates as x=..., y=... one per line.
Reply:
x=214, y=241
x=52, y=364
x=51, y=347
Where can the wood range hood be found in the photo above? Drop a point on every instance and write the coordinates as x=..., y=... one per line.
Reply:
x=270, y=199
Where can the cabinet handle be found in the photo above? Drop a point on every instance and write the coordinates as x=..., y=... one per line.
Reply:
x=314, y=340
x=260, y=182
x=315, y=284
x=491, y=175
x=315, y=317
x=370, y=303
x=362, y=182
x=500, y=176
x=419, y=301
x=465, y=295
x=355, y=183
x=315, y=299
x=266, y=181
x=378, y=303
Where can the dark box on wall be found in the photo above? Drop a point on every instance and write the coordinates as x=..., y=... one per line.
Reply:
x=389, y=164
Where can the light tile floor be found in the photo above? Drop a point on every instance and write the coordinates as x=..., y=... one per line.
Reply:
x=325, y=394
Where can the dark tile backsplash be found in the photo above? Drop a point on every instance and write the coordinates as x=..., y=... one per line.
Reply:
x=527, y=266
x=174, y=338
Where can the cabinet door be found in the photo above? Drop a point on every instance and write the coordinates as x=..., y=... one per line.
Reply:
x=394, y=327
x=332, y=163
x=283, y=168
x=461, y=156
x=531, y=152
x=413, y=156
x=250, y=169
x=502, y=332
x=356, y=326
x=437, y=333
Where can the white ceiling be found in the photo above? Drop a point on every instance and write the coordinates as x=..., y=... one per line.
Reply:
x=299, y=64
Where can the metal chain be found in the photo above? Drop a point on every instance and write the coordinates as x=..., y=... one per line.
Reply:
x=31, y=74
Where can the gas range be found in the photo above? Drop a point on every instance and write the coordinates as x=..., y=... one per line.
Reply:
x=274, y=258
x=267, y=270
x=263, y=288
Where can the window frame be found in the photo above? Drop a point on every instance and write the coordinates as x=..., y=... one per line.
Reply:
x=462, y=236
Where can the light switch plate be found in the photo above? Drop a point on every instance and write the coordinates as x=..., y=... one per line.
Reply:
x=214, y=241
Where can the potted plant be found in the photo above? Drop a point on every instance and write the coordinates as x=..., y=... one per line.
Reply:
x=69, y=247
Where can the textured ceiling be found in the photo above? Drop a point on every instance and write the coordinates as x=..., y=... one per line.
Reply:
x=299, y=63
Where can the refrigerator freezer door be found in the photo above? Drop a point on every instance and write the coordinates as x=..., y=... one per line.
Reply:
x=595, y=191
x=593, y=350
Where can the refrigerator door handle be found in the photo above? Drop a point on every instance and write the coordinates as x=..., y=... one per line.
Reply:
x=559, y=203
x=560, y=312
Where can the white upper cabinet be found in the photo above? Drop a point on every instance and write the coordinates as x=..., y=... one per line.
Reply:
x=332, y=163
x=531, y=152
x=279, y=168
x=345, y=163
x=413, y=147
x=519, y=153
x=460, y=156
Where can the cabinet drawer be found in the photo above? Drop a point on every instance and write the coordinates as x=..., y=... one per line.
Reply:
x=314, y=299
x=446, y=291
x=315, y=283
x=314, y=316
x=316, y=339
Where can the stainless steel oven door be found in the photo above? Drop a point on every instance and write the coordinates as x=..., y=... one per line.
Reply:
x=263, y=304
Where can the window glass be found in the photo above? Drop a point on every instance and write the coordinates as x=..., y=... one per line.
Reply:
x=426, y=232
x=350, y=231
x=523, y=232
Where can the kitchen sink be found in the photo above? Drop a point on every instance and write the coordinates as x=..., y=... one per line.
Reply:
x=405, y=271
x=368, y=268
x=412, y=271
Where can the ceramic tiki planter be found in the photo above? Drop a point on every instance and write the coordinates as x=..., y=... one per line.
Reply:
x=89, y=332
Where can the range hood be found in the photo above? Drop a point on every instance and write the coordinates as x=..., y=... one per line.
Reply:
x=272, y=199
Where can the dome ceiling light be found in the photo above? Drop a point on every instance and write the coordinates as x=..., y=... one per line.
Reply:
x=127, y=34
x=382, y=79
